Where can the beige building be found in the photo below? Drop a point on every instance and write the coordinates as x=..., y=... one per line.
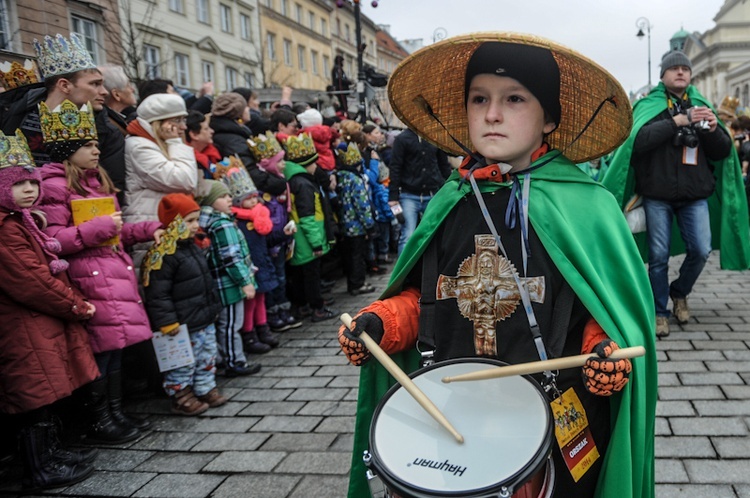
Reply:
x=96, y=21
x=721, y=55
x=390, y=55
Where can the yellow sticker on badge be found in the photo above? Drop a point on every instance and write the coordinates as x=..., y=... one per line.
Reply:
x=573, y=434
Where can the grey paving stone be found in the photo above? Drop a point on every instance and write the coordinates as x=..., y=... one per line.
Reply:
x=668, y=379
x=180, y=486
x=328, y=486
x=315, y=463
x=110, y=484
x=308, y=343
x=299, y=442
x=227, y=410
x=336, y=425
x=174, y=424
x=245, y=461
x=328, y=360
x=673, y=344
x=312, y=394
x=732, y=447
x=226, y=424
x=169, y=441
x=743, y=490
x=691, y=392
x=733, y=335
x=287, y=424
x=736, y=392
x=692, y=331
x=720, y=345
x=723, y=378
x=344, y=442
x=674, y=409
x=115, y=459
x=345, y=381
x=695, y=356
x=183, y=463
x=227, y=442
x=337, y=370
x=327, y=408
x=728, y=366
x=737, y=355
x=721, y=319
x=298, y=382
x=682, y=447
x=263, y=394
x=261, y=408
x=670, y=471
x=284, y=372
x=256, y=486
x=718, y=472
x=723, y=408
x=251, y=381
x=694, y=491
x=682, y=366
x=351, y=395
x=708, y=426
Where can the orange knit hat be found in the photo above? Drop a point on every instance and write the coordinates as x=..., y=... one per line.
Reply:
x=173, y=204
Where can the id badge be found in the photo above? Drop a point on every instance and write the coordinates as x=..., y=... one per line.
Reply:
x=690, y=156
x=573, y=434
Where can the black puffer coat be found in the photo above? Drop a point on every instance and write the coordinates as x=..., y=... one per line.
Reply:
x=183, y=290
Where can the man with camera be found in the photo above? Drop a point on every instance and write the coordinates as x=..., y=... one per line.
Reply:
x=673, y=151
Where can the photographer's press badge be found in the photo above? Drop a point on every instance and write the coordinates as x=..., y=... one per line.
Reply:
x=690, y=156
x=573, y=434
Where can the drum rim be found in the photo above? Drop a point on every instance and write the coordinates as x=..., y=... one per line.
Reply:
x=520, y=477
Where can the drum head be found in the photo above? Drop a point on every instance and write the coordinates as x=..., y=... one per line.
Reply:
x=506, y=425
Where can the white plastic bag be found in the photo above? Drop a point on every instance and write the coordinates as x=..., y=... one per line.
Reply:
x=635, y=214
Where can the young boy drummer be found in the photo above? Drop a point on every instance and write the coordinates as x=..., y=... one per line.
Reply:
x=519, y=223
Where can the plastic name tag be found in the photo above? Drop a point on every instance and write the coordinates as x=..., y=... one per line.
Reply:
x=573, y=434
x=690, y=156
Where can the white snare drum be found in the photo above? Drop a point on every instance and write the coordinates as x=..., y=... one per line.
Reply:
x=506, y=424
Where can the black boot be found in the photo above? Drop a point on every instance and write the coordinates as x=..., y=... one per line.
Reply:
x=266, y=336
x=41, y=469
x=253, y=344
x=114, y=394
x=104, y=429
x=68, y=456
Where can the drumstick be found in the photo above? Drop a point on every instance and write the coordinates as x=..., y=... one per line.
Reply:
x=541, y=366
x=404, y=380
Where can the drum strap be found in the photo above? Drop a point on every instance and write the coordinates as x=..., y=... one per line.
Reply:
x=426, y=344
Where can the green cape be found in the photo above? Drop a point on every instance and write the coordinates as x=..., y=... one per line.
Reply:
x=585, y=234
x=727, y=205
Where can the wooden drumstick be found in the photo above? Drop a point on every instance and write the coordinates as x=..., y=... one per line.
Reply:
x=541, y=366
x=403, y=379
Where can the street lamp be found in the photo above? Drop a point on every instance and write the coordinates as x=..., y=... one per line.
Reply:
x=439, y=34
x=643, y=23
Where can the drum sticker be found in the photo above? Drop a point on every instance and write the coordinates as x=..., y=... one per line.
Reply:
x=573, y=434
x=486, y=291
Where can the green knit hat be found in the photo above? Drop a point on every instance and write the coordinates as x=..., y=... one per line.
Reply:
x=217, y=189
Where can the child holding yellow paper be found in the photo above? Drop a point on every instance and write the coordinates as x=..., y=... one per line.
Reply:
x=99, y=265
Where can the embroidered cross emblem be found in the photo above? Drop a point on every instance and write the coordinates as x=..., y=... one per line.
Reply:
x=486, y=292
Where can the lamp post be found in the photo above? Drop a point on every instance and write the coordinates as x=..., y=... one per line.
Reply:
x=439, y=34
x=643, y=23
x=361, y=78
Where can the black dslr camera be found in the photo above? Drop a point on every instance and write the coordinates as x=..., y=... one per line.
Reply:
x=687, y=135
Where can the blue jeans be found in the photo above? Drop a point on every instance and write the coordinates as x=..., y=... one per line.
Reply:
x=413, y=206
x=695, y=228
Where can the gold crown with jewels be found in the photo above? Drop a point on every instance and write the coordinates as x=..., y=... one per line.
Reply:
x=14, y=74
x=264, y=146
x=351, y=156
x=300, y=149
x=67, y=122
x=14, y=151
x=59, y=55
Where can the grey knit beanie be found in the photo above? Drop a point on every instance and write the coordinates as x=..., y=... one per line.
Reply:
x=674, y=58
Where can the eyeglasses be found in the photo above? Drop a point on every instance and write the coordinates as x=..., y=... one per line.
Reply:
x=181, y=120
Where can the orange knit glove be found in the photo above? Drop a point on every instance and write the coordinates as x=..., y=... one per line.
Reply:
x=352, y=345
x=603, y=376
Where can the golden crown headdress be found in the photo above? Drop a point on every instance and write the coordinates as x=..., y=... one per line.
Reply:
x=729, y=105
x=300, y=149
x=67, y=122
x=176, y=231
x=14, y=75
x=264, y=146
x=225, y=165
x=14, y=151
x=57, y=56
x=351, y=156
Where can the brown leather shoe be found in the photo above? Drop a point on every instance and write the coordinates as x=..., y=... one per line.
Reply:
x=185, y=403
x=214, y=398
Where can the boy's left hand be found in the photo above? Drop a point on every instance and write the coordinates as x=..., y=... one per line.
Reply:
x=603, y=376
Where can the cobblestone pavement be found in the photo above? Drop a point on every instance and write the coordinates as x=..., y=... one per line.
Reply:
x=287, y=431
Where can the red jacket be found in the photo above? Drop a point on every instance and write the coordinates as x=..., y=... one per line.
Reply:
x=44, y=348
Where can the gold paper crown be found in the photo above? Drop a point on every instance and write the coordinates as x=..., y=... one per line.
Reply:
x=176, y=231
x=729, y=105
x=225, y=165
x=67, y=122
x=14, y=75
x=351, y=156
x=14, y=151
x=264, y=146
x=58, y=56
x=300, y=149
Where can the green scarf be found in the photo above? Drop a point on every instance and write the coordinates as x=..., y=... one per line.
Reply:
x=585, y=234
x=727, y=205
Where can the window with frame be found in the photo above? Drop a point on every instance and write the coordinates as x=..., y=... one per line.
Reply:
x=314, y=61
x=5, y=33
x=284, y=7
x=349, y=66
x=288, y=52
x=207, y=68
x=152, y=61
x=338, y=28
x=269, y=4
x=225, y=14
x=271, y=46
x=177, y=6
x=323, y=27
x=182, y=70
x=231, y=77
x=301, y=57
x=249, y=79
x=298, y=13
x=87, y=29
x=311, y=19
x=347, y=34
x=202, y=11
x=245, y=32
x=326, y=64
